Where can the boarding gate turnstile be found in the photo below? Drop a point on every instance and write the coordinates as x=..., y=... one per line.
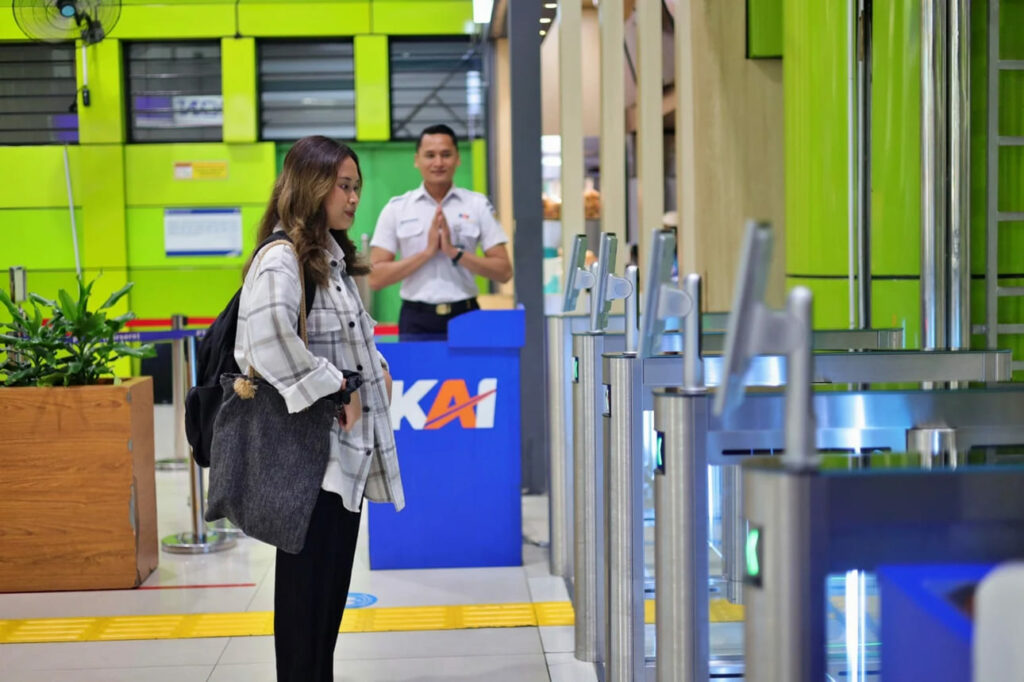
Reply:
x=623, y=480
x=858, y=423
x=563, y=369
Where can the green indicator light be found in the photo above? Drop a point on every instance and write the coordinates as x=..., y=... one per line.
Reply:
x=753, y=565
x=575, y=370
x=659, y=451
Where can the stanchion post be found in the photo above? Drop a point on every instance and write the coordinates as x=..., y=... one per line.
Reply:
x=180, y=455
x=199, y=540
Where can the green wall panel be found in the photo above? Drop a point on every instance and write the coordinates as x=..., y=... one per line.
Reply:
x=896, y=140
x=101, y=192
x=146, y=240
x=103, y=121
x=816, y=164
x=183, y=19
x=38, y=238
x=34, y=176
x=764, y=28
x=896, y=303
x=831, y=298
x=238, y=85
x=297, y=19
x=195, y=291
x=150, y=174
x=422, y=17
x=373, y=88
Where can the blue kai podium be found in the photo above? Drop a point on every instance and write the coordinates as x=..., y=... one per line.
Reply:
x=455, y=411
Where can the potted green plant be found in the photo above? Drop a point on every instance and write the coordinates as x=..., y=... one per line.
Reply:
x=77, y=484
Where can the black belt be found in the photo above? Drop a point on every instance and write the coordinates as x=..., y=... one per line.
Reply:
x=444, y=309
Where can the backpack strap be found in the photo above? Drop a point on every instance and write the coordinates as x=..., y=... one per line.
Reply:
x=306, y=283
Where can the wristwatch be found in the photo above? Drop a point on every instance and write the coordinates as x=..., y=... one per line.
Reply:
x=456, y=257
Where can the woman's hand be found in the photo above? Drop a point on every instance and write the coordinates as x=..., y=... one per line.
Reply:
x=351, y=412
x=387, y=383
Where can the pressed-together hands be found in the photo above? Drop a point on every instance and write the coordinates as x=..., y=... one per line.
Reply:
x=439, y=237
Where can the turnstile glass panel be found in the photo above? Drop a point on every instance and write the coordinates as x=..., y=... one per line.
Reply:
x=853, y=627
x=725, y=621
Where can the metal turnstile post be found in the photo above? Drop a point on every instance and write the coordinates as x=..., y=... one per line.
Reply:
x=559, y=462
x=734, y=531
x=681, y=535
x=588, y=503
x=784, y=632
x=623, y=518
x=561, y=366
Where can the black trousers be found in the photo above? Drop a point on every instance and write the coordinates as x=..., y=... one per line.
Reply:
x=413, y=320
x=310, y=591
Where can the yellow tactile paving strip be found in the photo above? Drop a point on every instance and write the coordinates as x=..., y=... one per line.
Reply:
x=396, y=619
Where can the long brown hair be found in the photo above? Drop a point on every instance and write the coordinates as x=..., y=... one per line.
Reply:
x=297, y=205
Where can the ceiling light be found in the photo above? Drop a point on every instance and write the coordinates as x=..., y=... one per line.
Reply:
x=545, y=20
x=550, y=5
x=543, y=32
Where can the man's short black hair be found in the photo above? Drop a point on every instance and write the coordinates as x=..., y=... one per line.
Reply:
x=439, y=129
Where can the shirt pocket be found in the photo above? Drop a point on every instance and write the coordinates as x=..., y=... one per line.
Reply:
x=367, y=323
x=323, y=324
x=466, y=235
x=412, y=236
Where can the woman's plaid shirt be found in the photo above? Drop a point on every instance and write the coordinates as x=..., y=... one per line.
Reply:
x=340, y=334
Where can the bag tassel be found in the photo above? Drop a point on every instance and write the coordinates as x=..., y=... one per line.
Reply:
x=244, y=388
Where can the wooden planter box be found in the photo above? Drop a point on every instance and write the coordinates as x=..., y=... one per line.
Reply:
x=77, y=487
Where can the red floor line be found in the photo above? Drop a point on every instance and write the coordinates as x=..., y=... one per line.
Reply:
x=193, y=587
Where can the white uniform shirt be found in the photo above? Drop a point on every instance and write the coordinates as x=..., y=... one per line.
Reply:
x=402, y=229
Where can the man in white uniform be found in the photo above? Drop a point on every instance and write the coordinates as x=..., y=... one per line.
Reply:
x=437, y=228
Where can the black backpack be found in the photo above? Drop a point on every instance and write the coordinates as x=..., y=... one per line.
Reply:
x=215, y=356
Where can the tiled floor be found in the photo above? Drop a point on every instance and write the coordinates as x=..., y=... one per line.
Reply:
x=498, y=655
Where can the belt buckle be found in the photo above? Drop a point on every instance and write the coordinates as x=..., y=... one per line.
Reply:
x=443, y=308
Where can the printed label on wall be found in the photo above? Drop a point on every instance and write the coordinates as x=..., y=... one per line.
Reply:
x=203, y=231
x=179, y=111
x=200, y=170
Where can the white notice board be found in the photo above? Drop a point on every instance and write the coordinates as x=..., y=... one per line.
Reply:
x=203, y=231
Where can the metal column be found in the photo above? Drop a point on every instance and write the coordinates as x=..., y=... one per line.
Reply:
x=934, y=220
x=588, y=504
x=623, y=518
x=524, y=51
x=959, y=175
x=681, y=536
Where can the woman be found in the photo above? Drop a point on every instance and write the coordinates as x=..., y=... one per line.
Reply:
x=314, y=203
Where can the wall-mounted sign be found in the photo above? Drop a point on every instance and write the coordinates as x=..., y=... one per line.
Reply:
x=203, y=231
x=200, y=170
x=179, y=111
